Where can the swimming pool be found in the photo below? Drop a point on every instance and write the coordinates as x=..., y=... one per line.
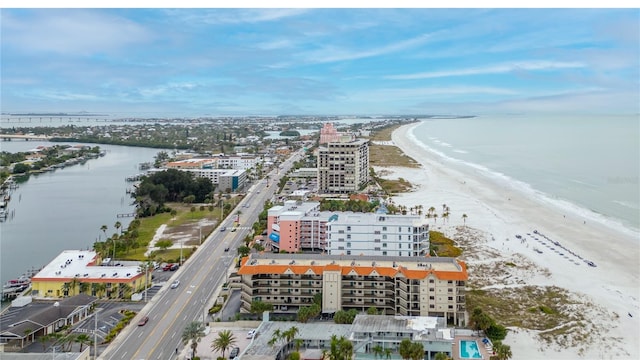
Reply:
x=469, y=350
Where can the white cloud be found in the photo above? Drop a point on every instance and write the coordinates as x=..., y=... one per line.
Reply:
x=275, y=44
x=71, y=32
x=394, y=94
x=332, y=54
x=228, y=16
x=531, y=65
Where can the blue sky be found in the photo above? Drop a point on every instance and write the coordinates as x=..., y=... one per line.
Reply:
x=193, y=62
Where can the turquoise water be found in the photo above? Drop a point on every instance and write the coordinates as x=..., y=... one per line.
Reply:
x=469, y=350
x=586, y=165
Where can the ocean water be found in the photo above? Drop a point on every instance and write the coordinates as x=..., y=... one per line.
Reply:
x=586, y=165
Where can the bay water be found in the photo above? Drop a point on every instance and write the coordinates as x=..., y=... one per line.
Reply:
x=64, y=209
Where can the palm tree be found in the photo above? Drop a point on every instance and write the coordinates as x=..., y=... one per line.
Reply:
x=43, y=340
x=290, y=334
x=275, y=337
x=464, y=219
x=431, y=210
x=224, y=341
x=435, y=218
x=341, y=348
x=123, y=289
x=503, y=352
x=405, y=349
x=387, y=353
x=83, y=339
x=65, y=289
x=83, y=287
x=104, y=230
x=118, y=225
x=377, y=351
x=441, y=356
x=74, y=284
x=193, y=333
x=101, y=288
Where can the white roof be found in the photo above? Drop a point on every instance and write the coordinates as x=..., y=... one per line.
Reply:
x=81, y=264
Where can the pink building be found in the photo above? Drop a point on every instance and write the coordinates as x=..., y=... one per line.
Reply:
x=329, y=134
x=295, y=226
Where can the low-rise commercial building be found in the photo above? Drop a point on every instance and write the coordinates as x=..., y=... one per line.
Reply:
x=80, y=271
x=411, y=286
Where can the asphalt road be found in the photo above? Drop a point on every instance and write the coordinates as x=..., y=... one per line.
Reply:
x=172, y=309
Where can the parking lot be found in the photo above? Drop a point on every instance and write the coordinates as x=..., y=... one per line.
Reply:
x=240, y=329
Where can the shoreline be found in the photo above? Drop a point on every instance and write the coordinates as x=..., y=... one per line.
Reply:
x=501, y=212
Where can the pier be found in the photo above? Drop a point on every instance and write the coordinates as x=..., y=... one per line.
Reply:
x=126, y=215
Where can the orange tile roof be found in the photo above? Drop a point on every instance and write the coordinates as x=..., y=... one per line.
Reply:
x=346, y=270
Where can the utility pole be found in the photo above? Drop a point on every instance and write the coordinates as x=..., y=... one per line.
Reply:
x=95, y=334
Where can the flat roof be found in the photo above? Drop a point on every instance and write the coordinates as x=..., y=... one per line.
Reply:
x=260, y=348
x=415, y=324
x=70, y=264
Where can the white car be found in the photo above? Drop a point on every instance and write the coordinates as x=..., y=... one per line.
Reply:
x=251, y=333
x=175, y=284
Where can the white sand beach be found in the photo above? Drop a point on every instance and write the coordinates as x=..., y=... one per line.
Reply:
x=607, y=293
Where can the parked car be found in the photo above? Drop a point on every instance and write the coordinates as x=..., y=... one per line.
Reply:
x=223, y=228
x=167, y=267
x=234, y=352
x=251, y=333
x=175, y=284
x=226, y=249
x=174, y=267
x=143, y=321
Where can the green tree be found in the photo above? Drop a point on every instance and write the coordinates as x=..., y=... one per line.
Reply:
x=258, y=307
x=340, y=349
x=84, y=339
x=104, y=231
x=372, y=310
x=21, y=168
x=464, y=219
x=118, y=225
x=193, y=333
x=164, y=244
x=480, y=320
x=417, y=351
x=496, y=332
x=404, y=349
x=503, y=352
x=441, y=356
x=290, y=334
x=276, y=337
x=244, y=251
x=377, y=350
x=224, y=341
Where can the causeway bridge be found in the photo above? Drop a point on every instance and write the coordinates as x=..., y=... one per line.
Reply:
x=9, y=137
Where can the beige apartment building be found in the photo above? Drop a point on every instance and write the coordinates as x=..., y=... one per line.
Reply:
x=343, y=167
x=408, y=286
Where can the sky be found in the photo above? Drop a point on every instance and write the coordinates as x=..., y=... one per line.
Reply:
x=324, y=61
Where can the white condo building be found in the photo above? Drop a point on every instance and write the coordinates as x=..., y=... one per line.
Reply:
x=377, y=234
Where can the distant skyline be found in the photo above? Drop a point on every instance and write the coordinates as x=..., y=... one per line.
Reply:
x=207, y=62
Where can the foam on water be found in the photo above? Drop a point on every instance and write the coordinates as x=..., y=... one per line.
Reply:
x=527, y=190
